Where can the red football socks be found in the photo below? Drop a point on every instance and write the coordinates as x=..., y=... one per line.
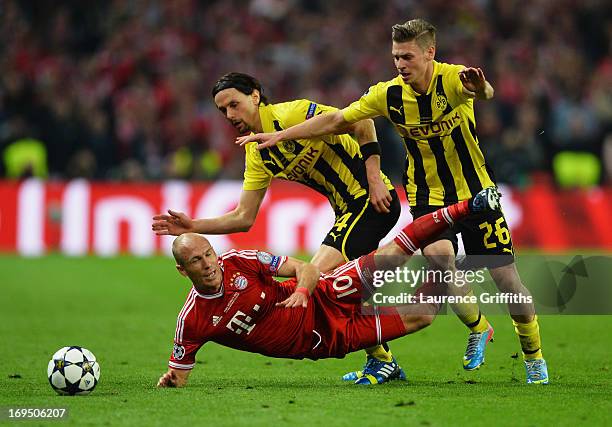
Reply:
x=430, y=225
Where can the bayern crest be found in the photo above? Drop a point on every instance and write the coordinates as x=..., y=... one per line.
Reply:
x=239, y=281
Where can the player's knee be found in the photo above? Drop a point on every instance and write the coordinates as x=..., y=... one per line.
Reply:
x=440, y=255
x=416, y=322
x=511, y=286
x=439, y=248
x=507, y=279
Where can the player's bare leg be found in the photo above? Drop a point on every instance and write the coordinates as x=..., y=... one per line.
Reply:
x=413, y=236
x=441, y=256
x=399, y=251
x=525, y=323
x=327, y=258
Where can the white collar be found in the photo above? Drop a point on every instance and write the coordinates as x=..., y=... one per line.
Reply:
x=210, y=296
x=216, y=294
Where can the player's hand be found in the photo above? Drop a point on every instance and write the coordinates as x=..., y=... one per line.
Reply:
x=169, y=379
x=175, y=224
x=296, y=299
x=265, y=139
x=473, y=80
x=380, y=197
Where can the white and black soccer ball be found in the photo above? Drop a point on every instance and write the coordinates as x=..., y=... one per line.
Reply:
x=73, y=370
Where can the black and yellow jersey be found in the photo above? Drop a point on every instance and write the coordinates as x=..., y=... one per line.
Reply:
x=444, y=163
x=331, y=164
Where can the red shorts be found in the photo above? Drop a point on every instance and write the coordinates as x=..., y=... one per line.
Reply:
x=341, y=324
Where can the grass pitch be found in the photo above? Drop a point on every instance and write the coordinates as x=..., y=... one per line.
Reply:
x=124, y=310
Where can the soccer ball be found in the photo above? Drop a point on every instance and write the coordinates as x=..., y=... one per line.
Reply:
x=73, y=370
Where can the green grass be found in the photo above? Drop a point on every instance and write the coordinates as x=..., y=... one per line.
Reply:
x=124, y=310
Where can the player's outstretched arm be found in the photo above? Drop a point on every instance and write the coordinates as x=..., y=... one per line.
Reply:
x=307, y=275
x=475, y=85
x=173, y=223
x=240, y=219
x=324, y=124
x=365, y=132
x=174, y=378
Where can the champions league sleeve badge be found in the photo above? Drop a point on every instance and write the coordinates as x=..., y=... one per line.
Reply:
x=178, y=352
x=264, y=257
x=272, y=262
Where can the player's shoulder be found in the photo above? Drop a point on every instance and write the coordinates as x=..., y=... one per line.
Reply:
x=251, y=151
x=397, y=80
x=449, y=74
x=253, y=260
x=384, y=85
x=247, y=259
x=447, y=69
x=294, y=112
x=380, y=89
x=293, y=104
x=190, y=298
x=290, y=107
x=234, y=256
x=186, y=314
x=297, y=109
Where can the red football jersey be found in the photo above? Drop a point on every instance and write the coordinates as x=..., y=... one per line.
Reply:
x=243, y=314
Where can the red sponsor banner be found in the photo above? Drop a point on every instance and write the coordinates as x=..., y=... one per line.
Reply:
x=80, y=217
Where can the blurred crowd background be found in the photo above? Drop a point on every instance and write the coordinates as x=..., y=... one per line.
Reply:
x=120, y=90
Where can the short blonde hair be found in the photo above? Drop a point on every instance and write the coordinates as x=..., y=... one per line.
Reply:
x=416, y=29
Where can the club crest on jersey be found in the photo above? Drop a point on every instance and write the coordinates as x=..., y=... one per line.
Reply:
x=441, y=102
x=178, y=352
x=289, y=146
x=239, y=281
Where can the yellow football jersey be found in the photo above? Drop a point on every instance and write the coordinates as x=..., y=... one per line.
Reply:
x=331, y=165
x=444, y=163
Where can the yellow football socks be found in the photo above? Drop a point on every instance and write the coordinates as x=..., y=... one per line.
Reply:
x=380, y=353
x=470, y=315
x=529, y=336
